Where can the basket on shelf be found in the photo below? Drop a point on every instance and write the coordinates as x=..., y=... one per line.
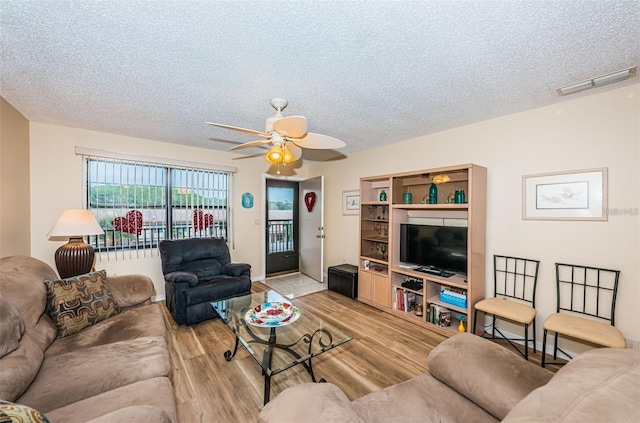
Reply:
x=453, y=298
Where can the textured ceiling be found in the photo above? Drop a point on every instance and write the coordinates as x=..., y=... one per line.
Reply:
x=367, y=72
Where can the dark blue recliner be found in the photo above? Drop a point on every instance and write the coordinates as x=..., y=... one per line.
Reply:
x=198, y=271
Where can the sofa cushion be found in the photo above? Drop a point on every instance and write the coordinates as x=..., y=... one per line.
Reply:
x=600, y=385
x=19, y=368
x=78, y=302
x=80, y=374
x=324, y=402
x=11, y=328
x=21, y=285
x=499, y=378
x=420, y=399
x=130, y=324
x=11, y=412
x=156, y=393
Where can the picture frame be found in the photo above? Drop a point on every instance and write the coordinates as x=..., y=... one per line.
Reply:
x=568, y=195
x=350, y=202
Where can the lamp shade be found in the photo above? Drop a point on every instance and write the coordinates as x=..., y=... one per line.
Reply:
x=76, y=223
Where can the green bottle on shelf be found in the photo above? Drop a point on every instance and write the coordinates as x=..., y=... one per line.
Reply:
x=383, y=196
x=433, y=194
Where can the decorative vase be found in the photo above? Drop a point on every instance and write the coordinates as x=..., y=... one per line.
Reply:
x=461, y=326
x=406, y=198
x=383, y=196
x=433, y=194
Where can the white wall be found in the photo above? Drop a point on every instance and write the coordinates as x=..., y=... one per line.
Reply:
x=602, y=130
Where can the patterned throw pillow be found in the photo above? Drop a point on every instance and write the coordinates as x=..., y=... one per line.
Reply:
x=18, y=413
x=78, y=302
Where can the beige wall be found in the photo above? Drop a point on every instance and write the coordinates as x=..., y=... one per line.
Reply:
x=601, y=130
x=15, y=236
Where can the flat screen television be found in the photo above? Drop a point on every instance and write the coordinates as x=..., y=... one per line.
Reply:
x=442, y=247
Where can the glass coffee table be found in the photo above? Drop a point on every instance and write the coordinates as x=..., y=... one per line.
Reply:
x=277, y=333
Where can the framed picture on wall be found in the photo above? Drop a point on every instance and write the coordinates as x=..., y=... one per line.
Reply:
x=569, y=195
x=350, y=202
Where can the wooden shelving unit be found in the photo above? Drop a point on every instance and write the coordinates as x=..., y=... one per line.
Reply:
x=381, y=273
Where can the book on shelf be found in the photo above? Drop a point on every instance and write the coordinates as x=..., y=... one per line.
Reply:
x=438, y=315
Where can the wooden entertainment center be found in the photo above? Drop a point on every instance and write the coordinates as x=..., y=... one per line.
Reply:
x=405, y=200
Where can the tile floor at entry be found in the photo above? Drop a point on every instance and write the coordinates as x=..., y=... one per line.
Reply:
x=295, y=285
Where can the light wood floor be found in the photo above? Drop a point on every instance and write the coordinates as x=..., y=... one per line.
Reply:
x=385, y=350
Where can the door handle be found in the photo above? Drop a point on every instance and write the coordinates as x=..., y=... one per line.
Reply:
x=320, y=236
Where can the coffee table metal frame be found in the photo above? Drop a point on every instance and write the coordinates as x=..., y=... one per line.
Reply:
x=307, y=337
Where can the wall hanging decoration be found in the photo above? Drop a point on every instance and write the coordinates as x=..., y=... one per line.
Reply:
x=569, y=195
x=131, y=223
x=350, y=202
x=310, y=200
x=247, y=200
x=201, y=220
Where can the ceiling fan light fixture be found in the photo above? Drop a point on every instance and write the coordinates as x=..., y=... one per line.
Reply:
x=275, y=155
x=287, y=156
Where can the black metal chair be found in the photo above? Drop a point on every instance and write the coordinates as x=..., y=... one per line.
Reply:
x=586, y=305
x=198, y=271
x=514, y=285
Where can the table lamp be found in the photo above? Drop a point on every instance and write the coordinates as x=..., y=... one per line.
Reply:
x=75, y=257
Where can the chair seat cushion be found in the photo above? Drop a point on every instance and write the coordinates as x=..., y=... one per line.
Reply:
x=218, y=288
x=507, y=309
x=586, y=329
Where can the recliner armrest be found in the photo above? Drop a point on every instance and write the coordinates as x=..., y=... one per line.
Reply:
x=488, y=374
x=238, y=269
x=182, y=277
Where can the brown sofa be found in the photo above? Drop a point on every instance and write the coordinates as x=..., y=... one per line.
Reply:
x=471, y=379
x=116, y=370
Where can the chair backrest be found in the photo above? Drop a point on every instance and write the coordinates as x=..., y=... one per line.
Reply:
x=204, y=257
x=587, y=290
x=515, y=277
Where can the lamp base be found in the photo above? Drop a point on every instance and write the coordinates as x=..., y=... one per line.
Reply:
x=74, y=258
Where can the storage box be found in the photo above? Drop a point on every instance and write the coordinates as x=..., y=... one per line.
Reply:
x=343, y=279
x=453, y=300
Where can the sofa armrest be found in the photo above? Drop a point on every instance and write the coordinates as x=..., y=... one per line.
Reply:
x=181, y=277
x=131, y=290
x=310, y=402
x=238, y=269
x=488, y=374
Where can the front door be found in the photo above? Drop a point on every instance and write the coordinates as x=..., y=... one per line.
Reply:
x=282, y=233
x=312, y=227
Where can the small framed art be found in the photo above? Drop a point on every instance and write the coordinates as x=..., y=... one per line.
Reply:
x=569, y=195
x=350, y=202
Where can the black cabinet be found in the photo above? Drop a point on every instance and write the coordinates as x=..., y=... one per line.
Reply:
x=343, y=279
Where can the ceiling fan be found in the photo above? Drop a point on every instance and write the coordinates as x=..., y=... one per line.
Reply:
x=287, y=136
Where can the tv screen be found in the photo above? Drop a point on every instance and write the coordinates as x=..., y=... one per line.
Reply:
x=443, y=247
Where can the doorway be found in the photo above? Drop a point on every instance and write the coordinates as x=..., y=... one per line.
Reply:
x=282, y=227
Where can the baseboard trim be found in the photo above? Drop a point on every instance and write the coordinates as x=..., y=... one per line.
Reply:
x=548, y=348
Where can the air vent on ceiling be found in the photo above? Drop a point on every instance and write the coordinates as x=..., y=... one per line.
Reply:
x=598, y=81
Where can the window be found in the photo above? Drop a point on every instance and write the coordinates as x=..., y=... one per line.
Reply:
x=138, y=204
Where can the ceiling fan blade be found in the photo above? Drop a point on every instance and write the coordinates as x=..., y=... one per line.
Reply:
x=291, y=126
x=295, y=150
x=250, y=144
x=235, y=128
x=319, y=142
